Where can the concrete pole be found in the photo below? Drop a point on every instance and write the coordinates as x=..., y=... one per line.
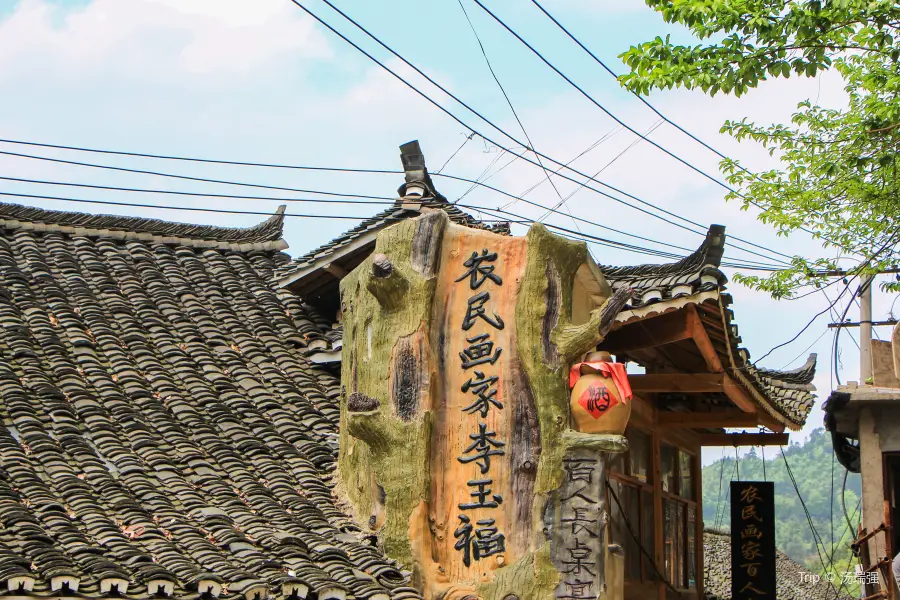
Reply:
x=865, y=330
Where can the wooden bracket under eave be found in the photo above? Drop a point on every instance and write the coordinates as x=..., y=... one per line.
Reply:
x=335, y=270
x=701, y=338
x=744, y=439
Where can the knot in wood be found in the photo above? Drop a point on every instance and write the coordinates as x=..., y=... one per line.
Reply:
x=381, y=266
x=359, y=402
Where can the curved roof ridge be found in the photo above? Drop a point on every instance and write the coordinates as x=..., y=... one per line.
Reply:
x=402, y=208
x=269, y=230
x=803, y=374
x=708, y=254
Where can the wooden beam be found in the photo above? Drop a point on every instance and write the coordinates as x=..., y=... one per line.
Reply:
x=744, y=439
x=701, y=338
x=768, y=421
x=335, y=270
x=656, y=331
x=686, y=383
x=702, y=420
x=738, y=395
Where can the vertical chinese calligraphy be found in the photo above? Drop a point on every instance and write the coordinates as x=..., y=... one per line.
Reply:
x=752, y=540
x=579, y=537
x=482, y=538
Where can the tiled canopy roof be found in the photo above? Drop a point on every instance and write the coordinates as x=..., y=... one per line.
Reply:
x=698, y=279
x=793, y=389
x=693, y=274
x=399, y=211
x=162, y=431
x=132, y=227
x=790, y=583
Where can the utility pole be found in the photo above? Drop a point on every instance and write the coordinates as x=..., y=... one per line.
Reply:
x=865, y=330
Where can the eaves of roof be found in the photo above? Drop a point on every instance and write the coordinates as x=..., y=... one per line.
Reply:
x=697, y=279
x=264, y=236
x=400, y=210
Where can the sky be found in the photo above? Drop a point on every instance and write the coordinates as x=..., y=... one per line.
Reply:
x=261, y=81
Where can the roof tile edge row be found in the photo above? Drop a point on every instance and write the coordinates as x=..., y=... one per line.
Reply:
x=121, y=234
x=269, y=230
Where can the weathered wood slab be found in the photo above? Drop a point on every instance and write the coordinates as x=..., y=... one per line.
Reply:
x=455, y=420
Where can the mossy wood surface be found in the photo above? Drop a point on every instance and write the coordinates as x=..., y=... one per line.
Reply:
x=404, y=417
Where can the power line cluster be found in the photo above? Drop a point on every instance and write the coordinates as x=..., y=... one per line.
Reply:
x=769, y=259
x=333, y=198
x=660, y=213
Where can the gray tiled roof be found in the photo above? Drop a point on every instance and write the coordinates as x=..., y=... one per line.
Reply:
x=160, y=423
x=789, y=585
x=698, y=272
x=391, y=215
x=789, y=392
x=267, y=231
x=793, y=389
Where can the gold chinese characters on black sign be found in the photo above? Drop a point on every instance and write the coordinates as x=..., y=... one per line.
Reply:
x=752, y=540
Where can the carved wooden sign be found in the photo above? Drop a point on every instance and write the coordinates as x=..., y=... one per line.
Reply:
x=753, y=540
x=457, y=446
x=472, y=462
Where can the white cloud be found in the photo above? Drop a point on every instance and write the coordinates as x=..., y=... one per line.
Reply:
x=155, y=39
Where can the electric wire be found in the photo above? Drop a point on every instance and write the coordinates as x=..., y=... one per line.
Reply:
x=837, y=333
x=603, y=241
x=452, y=156
x=618, y=120
x=817, y=539
x=494, y=126
x=789, y=363
x=808, y=324
x=596, y=103
x=381, y=200
x=185, y=208
x=638, y=541
x=634, y=143
x=660, y=114
x=482, y=175
x=167, y=175
x=236, y=163
x=285, y=166
x=606, y=136
x=490, y=67
x=517, y=219
x=831, y=505
x=581, y=236
x=289, y=189
x=635, y=94
x=719, y=495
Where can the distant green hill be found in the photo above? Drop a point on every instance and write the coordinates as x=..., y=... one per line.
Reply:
x=812, y=464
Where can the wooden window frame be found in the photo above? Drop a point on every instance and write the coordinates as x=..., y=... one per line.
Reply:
x=654, y=489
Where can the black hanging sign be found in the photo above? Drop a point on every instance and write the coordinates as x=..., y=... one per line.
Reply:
x=752, y=540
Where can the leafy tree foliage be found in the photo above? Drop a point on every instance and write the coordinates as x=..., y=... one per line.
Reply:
x=820, y=487
x=838, y=173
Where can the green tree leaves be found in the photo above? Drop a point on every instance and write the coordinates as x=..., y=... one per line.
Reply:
x=838, y=173
x=811, y=464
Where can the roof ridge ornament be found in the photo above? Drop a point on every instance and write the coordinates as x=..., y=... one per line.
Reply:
x=418, y=181
x=705, y=260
